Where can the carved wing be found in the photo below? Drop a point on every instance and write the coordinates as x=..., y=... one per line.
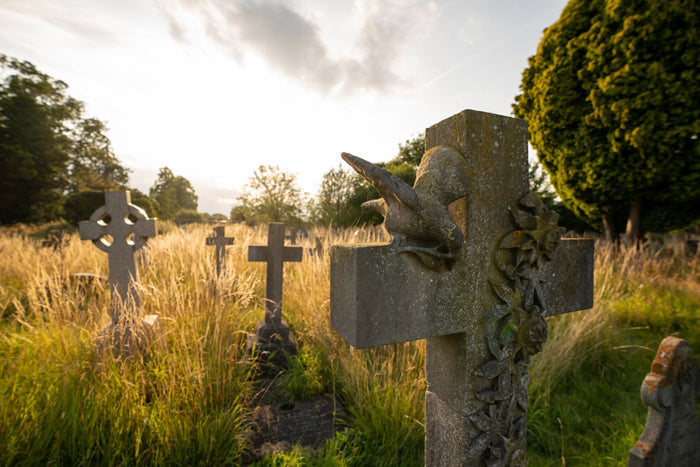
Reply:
x=386, y=183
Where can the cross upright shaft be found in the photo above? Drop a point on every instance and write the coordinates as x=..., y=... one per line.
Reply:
x=126, y=238
x=483, y=318
x=221, y=241
x=275, y=254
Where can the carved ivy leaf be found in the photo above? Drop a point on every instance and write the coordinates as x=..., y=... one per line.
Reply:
x=515, y=239
x=478, y=445
x=505, y=293
x=532, y=200
x=507, y=330
x=495, y=347
x=497, y=312
x=491, y=369
x=523, y=219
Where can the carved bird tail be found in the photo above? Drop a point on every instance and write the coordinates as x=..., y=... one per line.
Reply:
x=386, y=183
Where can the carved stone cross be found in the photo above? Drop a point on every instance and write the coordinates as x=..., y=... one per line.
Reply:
x=221, y=241
x=475, y=266
x=119, y=229
x=273, y=334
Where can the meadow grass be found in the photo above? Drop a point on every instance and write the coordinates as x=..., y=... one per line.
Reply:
x=189, y=399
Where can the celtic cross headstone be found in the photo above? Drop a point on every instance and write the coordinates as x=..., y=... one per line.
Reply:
x=119, y=229
x=221, y=241
x=273, y=335
x=475, y=266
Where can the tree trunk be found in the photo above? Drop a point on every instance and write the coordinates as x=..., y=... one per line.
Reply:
x=634, y=228
x=609, y=225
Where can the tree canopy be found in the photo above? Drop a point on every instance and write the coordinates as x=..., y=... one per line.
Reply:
x=174, y=193
x=611, y=98
x=270, y=195
x=47, y=146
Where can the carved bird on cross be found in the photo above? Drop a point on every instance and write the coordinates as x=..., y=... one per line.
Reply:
x=418, y=218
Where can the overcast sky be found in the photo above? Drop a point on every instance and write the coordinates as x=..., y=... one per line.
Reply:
x=214, y=88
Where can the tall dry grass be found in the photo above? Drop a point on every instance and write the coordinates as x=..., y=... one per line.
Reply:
x=191, y=399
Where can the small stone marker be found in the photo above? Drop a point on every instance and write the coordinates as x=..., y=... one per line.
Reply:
x=221, y=241
x=475, y=266
x=671, y=436
x=273, y=336
x=112, y=231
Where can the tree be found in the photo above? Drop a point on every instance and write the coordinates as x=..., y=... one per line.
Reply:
x=44, y=138
x=611, y=99
x=173, y=194
x=332, y=203
x=270, y=196
x=34, y=147
x=411, y=151
x=94, y=165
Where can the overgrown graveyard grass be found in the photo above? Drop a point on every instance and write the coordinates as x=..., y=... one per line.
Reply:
x=190, y=398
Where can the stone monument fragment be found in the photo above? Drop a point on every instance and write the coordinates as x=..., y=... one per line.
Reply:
x=671, y=436
x=221, y=241
x=273, y=340
x=119, y=229
x=475, y=266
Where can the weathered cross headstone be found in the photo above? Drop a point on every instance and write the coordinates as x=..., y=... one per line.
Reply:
x=119, y=229
x=273, y=336
x=295, y=234
x=671, y=436
x=221, y=241
x=475, y=266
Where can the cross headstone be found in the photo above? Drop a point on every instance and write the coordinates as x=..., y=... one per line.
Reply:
x=479, y=299
x=295, y=234
x=671, y=436
x=119, y=229
x=273, y=336
x=221, y=241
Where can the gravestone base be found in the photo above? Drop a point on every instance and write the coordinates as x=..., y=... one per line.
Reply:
x=272, y=345
x=128, y=339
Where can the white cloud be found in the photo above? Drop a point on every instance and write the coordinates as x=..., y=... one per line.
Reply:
x=292, y=43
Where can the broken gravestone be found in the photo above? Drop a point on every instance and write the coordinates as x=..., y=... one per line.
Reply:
x=273, y=341
x=475, y=266
x=119, y=229
x=671, y=436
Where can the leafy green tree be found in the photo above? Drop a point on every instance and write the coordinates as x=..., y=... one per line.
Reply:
x=331, y=203
x=188, y=216
x=94, y=166
x=270, y=195
x=174, y=193
x=612, y=102
x=47, y=146
x=34, y=146
x=411, y=151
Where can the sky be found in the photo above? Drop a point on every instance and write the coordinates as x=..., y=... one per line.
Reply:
x=212, y=89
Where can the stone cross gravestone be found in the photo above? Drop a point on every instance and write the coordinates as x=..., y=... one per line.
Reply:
x=475, y=266
x=221, y=241
x=273, y=336
x=119, y=229
x=671, y=436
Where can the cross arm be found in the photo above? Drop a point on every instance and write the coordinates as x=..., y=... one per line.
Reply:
x=291, y=254
x=379, y=297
